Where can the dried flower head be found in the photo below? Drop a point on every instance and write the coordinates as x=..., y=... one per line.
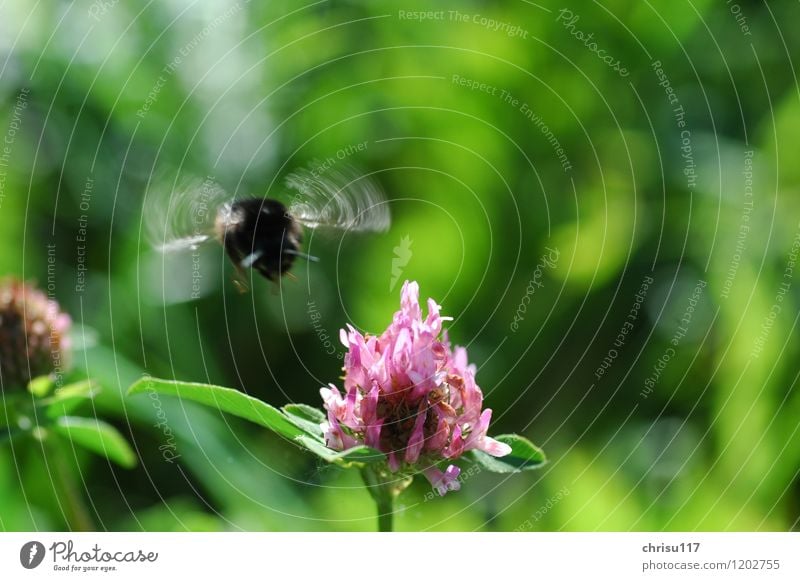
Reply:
x=33, y=331
x=409, y=395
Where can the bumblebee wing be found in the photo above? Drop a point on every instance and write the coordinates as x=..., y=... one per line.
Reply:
x=338, y=197
x=179, y=213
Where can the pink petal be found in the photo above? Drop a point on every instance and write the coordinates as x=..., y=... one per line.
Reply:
x=417, y=439
x=369, y=415
x=478, y=431
x=409, y=296
x=350, y=405
x=443, y=481
x=439, y=439
x=334, y=436
x=456, y=446
x=494, y=447
x=372, y=434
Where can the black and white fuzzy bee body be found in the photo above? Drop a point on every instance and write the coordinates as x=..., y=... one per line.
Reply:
x=265, y=234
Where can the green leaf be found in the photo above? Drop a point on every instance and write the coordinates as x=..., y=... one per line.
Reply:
x=305, y=417
x=41, y=386
x=359, y=454
x=98, y=437
x=308, y=412
x=363, y=454
x=67, y=398
x=224, y=399
x=524, y=456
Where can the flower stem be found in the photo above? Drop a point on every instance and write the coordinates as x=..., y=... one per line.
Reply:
x=384, y=487
x=75, y=510
x=386, y=515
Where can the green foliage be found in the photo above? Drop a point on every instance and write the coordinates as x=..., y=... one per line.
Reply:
x=305, y=417
x=69, y=397
x=224, y=399
x=524, y=456
x=98, y=437
x=298, y=423
x=45, y=412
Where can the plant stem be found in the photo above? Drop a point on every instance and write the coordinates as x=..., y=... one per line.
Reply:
x=76, y=513
x=385, y=514
x=384, y=487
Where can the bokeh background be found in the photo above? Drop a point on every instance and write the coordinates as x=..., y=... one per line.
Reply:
x=537, y=166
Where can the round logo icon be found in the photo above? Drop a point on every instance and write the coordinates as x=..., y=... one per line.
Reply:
x=31, y=554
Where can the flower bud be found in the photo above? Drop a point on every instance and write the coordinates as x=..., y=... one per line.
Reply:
x=33, y=334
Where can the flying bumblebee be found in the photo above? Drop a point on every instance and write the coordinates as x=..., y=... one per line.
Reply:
x=264, y=233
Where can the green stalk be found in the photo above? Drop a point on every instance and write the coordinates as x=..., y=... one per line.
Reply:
x=384, y=487
x=385, y=515
x=76, y=513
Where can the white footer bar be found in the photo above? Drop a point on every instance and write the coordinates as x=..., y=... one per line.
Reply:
x=401, y=556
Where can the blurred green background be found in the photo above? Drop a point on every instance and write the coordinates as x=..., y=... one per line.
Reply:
x=498, y=132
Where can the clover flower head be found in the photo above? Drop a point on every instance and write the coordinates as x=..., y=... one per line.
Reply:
x=33, y=334
x=409, y=395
